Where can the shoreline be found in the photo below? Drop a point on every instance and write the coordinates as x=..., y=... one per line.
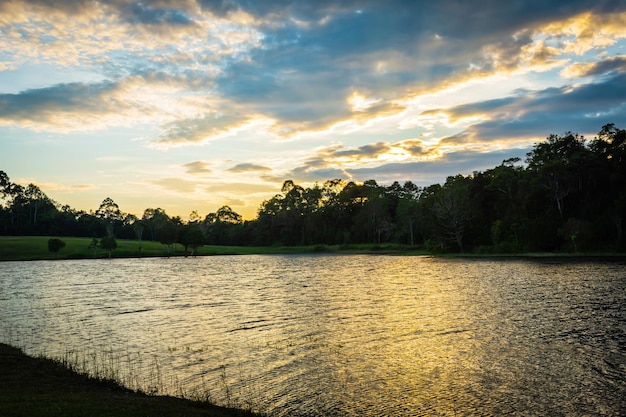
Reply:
x=34, y=248
x=41, y=387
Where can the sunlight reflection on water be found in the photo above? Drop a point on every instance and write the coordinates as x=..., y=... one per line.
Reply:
x=322, y=335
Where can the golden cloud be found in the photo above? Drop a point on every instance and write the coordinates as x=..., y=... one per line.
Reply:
x=198, y=167
x=56, y=187
x=588, y=31
x=178, y=185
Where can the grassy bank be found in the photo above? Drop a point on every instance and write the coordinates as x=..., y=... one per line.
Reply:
x=37, y=387
x=23, y=248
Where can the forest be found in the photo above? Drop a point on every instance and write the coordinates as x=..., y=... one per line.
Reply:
x=568, y=195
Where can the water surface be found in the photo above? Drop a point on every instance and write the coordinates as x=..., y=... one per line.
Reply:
x=324, y=335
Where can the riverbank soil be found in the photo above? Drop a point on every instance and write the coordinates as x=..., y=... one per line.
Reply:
x=37, y=387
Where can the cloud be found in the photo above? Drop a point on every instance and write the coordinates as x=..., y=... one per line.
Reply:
x=610, y=65
x=203, y=70
x=177, y=185
x=426, y=173
x=307, y=174
x=212, y=126
x=584, y=108
x=56, y=187
x=405, y=149
x=141, y=13
x=239, y=188
x=248, y=167
x=386, y=54
x=423, y=172
x=365, y=152
x=356, y=89
x=513, y=122
x=337, y=161
x=63, y=105
x=141, y=99
x=68, y=7
x=198, y=167
x=590, y=29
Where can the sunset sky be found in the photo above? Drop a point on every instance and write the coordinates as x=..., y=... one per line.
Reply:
x=195, y=104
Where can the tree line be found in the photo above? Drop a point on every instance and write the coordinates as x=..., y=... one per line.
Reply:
x=569, y=194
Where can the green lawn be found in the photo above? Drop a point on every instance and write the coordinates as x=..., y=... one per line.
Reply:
x=22, y=248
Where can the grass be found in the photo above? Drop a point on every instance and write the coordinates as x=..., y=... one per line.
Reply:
x=24, y=248
x=38, y=387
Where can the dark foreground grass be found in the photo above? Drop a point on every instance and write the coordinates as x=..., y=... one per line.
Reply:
x=37, y=387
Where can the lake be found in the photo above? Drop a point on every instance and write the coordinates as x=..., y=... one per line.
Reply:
x=336, y=335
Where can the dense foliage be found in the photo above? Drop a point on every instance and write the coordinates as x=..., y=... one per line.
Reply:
x=568, y=195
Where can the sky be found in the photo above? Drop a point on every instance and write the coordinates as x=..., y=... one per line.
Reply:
x=195, y=104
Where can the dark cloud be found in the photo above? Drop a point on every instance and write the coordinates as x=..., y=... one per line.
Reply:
x=609, y=65
x=415, y=147
x=584, y=109
x=248, y=167
x=425, y=173
x=457, y=16
x=315, y=53
x=362, y=152
x=305, y=11
x=71, y=7
x=44, y=103
x=144, y=14
x=477, y=108
x=198, y=129
x=311, y=56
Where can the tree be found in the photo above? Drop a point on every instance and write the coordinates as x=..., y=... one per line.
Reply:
x=225, y=214
x=192, y=237
x=570, y=194
x=138, y=227
x=452, y=209
x=407, y=212
x=36, y=198
x=5, y=183
x=110, y=216
x=557, y=163
x=168, y=235
x=55, y=245
x=109, y=210
x=609, y=150
x=220, y=225
x=374, y=219
x=154, y=220
x=109, y=244
x=194, y=217
x=16, y=205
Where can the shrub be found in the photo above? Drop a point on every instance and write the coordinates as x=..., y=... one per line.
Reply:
x=55, y=245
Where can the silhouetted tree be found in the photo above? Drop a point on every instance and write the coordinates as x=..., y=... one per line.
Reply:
x=569, y=195
x=220, y=226
x=192, y=237
x=452, y=209
x=109, y=244
x=168, y=235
